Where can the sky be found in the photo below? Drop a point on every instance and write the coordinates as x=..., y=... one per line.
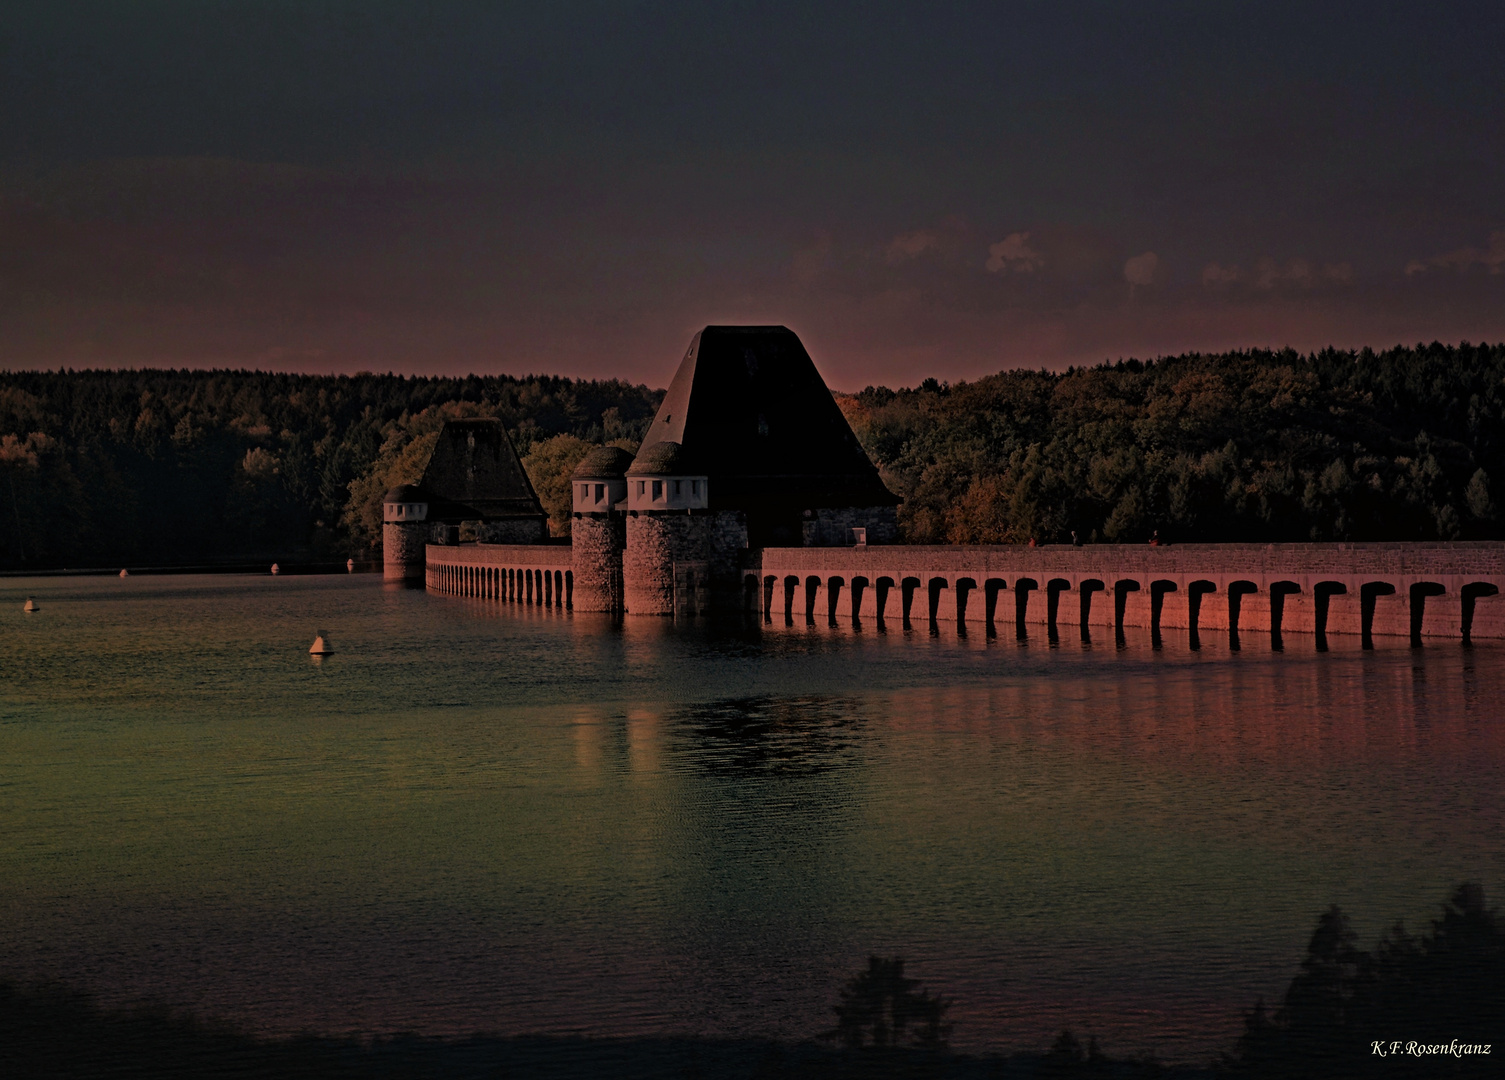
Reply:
x=919, y=190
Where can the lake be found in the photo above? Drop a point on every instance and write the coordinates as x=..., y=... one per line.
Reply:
x=477, y=816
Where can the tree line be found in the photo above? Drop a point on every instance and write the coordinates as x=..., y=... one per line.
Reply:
x=160, y=467
x=1253, y=446
x=157, y=467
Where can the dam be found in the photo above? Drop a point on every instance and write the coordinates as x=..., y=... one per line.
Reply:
x=751, y=493
x=1442, y=590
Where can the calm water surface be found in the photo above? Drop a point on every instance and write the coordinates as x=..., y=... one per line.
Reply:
x=484, y=817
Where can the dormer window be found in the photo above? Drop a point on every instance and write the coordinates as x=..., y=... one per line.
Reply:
x=658, y=490
x=600, y=492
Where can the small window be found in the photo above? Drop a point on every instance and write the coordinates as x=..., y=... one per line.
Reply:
x=658, y=490
x=641, y=485
x=694, y=487
x=600, y=492
x=676, y=487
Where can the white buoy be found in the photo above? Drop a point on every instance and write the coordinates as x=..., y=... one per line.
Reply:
x=320, y=647
x=31, y=605
x=349, y=566
x=125, y=573
x=276, y=569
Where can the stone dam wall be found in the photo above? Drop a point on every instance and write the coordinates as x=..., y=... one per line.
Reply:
x=1418, y=590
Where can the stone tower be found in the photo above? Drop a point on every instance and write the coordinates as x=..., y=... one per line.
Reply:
x=748, y=449
x=405, y=529
x=667, y=568
x=598, y=528
x=473, y=479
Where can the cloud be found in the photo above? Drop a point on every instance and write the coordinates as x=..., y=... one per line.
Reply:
x=1014, y=253
x=911, y=245
x=1215, y=275
x=1492, y=257
x=1270, y=274
x=1142, y=269
x=1299, y=273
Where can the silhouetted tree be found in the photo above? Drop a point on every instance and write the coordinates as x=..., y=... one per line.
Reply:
x=1444, y=987
x=879, y=1006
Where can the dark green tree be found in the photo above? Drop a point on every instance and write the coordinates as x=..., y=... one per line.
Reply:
x=883, y=1009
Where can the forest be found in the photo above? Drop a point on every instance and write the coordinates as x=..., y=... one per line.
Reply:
x=161, y=468
x=1247, y=446
x=174, y=468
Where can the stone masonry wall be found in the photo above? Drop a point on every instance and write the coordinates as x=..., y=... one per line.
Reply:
x=402, y=545
x=598, y=541
x=512, y=531
x=728, y=549
x=833, y=527
x=658, y=544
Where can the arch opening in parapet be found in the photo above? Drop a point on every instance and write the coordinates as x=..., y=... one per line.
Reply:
x=1419, y=592
x=936, y=586
x=833, y=598
x=1470, y=595
x=1369, y=595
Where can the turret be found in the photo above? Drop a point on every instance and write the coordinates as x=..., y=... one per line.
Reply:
x=404, y=532
x=666, y=567
x=598, y=533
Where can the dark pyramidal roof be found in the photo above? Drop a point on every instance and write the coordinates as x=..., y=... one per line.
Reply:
x=750, y=412
x=474, y=473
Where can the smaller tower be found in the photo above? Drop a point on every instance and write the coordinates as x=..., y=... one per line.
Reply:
x=404, y=532
x=667, y=563
x=598, y=529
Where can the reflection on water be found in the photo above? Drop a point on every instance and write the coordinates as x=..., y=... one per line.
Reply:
x=765, y=735
x=475, y=816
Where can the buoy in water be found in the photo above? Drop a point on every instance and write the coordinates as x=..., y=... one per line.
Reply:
x=31, y=605
x=276, y=569
x=125, y=573
x=320, y=647
x=349, y=566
